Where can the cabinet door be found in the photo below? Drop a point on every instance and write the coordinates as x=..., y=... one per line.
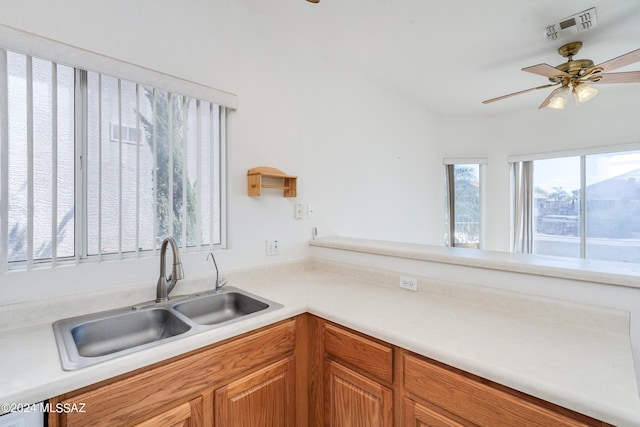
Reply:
x=416, y=415
x=189, y=414
x=354, y=400
x=480, y=402
x=265, y=398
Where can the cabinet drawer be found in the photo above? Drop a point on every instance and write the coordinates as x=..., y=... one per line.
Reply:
x=360, y=353
x=480, y=403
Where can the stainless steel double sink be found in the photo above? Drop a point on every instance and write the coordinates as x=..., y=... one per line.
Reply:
x=93, y=338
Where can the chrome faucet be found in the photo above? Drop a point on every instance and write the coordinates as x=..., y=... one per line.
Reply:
x=166, y=284
x=219, y=282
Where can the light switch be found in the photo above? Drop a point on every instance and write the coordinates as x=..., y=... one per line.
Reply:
x=273, y=247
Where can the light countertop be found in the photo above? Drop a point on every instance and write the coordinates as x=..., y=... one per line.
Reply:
x=589, y=370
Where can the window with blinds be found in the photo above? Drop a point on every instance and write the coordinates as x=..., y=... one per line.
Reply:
x=92, y=165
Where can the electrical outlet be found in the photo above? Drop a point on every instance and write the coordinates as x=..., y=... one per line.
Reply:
x=409, y=283
x=298, y=211
x=273, y=247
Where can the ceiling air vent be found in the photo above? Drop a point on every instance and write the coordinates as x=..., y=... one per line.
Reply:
x=577, y=23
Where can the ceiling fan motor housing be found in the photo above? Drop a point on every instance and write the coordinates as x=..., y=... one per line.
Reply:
x=573, y=67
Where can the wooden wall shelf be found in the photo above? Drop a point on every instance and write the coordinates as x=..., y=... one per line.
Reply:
x=255, y=184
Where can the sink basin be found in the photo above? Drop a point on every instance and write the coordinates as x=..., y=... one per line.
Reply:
x=93, y=338
x=220, y=308
x=125, y=331
x=86, y=340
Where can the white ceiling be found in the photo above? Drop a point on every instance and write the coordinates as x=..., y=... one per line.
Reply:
x=451, y=55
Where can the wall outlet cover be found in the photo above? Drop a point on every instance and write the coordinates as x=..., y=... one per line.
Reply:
x=409, y=283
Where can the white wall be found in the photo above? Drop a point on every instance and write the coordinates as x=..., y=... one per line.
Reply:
x=365, y=157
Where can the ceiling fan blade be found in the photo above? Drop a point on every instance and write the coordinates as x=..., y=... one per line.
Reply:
x=489, y=101
x=621, y=61
x=545, y=70
x=627, y=77
x=548, y=99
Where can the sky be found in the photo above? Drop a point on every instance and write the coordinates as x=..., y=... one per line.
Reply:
x=565, y=172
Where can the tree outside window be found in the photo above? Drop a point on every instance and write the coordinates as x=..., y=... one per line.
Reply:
x=463, y=197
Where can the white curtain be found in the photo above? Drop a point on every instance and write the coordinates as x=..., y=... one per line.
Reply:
x=451, y=214
x=522, y=179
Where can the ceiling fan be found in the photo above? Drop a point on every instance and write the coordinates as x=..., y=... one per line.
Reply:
x=576, y=76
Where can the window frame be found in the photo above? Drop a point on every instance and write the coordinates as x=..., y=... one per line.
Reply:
x=582, y=154
x=36, y=47
x=482, y=163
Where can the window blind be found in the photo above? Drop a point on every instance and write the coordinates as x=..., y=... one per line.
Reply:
x=93, y=165
x=41, y=47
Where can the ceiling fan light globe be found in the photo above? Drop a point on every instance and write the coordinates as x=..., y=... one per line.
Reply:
x=559, y=100
x=583, y=92
x=557, y=103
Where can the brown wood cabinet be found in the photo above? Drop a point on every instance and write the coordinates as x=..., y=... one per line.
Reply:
x=355, y=400
x=351, y=378
x=304, y=372
x=188, y=414
x=417, y=415
x=453, y=397
x=367, y=382
x=263, y=398
x=254, y=373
